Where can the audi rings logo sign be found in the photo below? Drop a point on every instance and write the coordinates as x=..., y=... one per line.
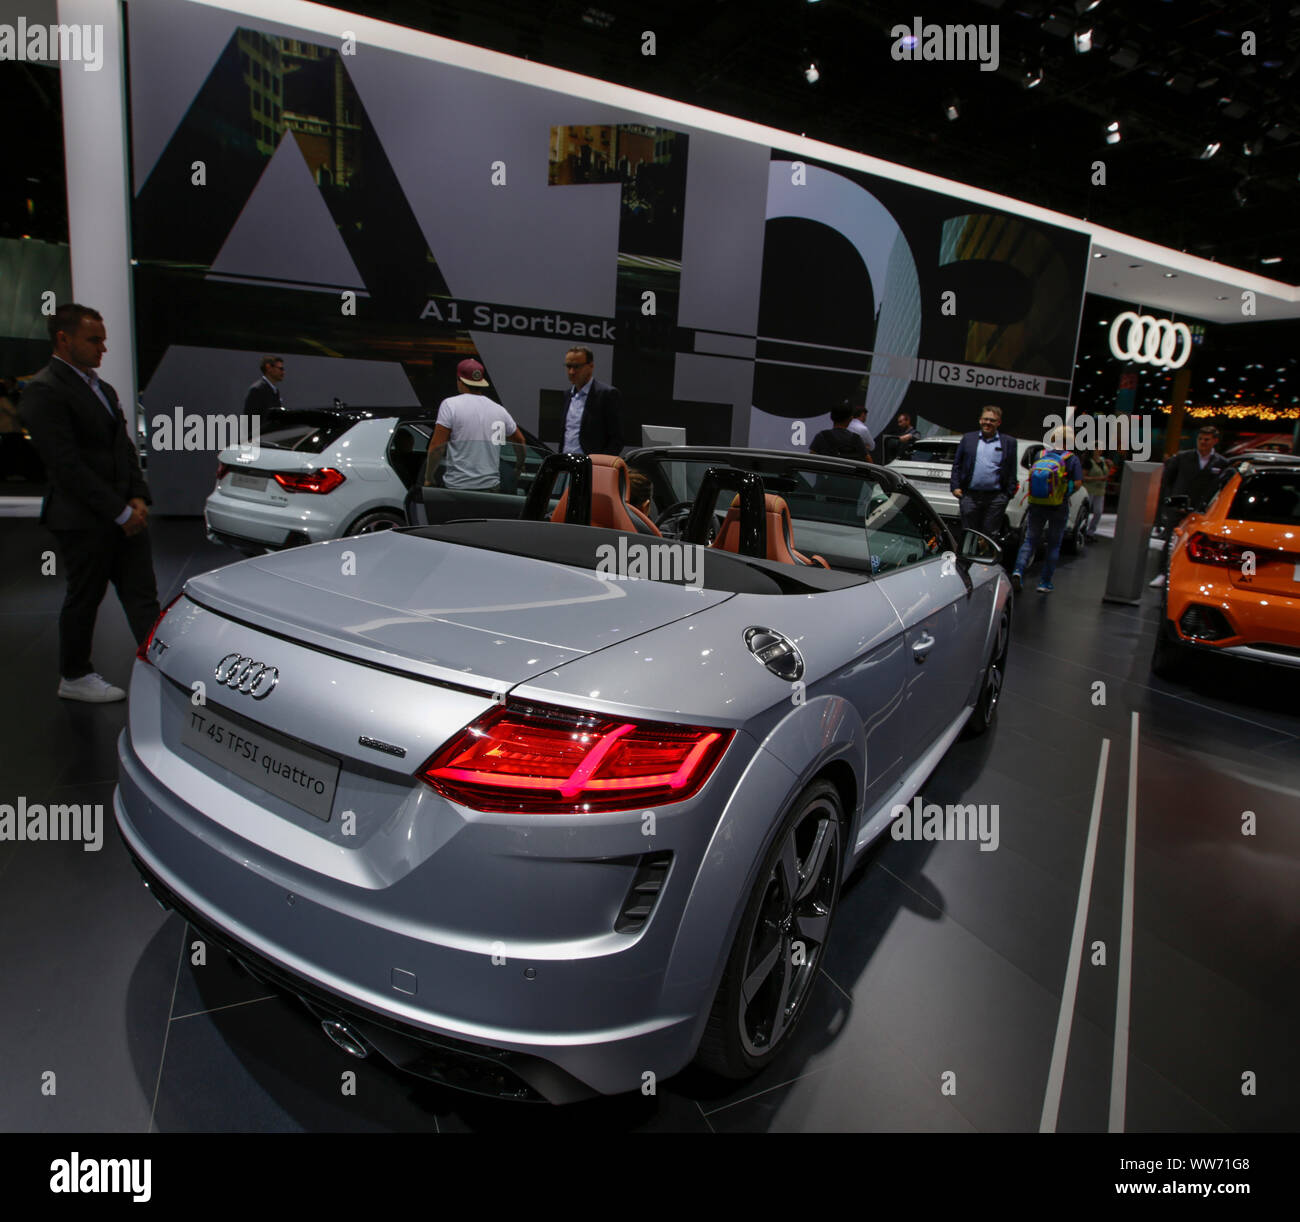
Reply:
x=242, y=674
x=1151, y=341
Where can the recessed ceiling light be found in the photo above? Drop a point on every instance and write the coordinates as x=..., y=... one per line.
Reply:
x=1098, y=254
x=1171, y=275
x=1272, y=259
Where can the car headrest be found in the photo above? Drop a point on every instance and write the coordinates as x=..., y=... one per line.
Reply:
x=780, y=533
x=609, y=507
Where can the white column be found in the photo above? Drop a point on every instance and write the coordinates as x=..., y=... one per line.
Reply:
x=98, y=176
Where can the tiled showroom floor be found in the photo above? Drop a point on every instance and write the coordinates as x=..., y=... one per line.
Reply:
x=944, y=960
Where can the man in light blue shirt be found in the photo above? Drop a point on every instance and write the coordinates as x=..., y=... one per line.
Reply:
x=984, y=473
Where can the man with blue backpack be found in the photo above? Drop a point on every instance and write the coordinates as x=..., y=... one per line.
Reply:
x=1053, y=477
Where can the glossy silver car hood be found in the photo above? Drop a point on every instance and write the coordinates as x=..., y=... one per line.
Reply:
x=463, y=610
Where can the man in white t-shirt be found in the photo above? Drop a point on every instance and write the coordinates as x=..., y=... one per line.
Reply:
x=472, y=428
x=859, y=425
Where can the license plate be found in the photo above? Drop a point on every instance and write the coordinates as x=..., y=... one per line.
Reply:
x=300, y=776
x=254, y=483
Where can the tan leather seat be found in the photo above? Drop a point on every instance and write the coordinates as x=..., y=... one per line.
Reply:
x=609, y=507
x=780, y=533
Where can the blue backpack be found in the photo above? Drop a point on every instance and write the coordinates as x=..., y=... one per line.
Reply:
x=1049, y=479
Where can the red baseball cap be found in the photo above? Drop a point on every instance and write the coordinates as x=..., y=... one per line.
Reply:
x=471, y=373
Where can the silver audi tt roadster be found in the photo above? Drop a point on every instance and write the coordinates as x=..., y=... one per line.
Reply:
x=561, y=794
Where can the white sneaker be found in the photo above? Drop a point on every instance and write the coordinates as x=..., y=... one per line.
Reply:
x=92, y=688
x=1157, y=582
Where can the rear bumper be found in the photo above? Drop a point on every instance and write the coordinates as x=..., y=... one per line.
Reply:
x=248, y=522
x=465, y=1066
x=1264, y=627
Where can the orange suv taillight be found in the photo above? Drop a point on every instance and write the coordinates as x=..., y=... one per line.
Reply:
x=1210, y=549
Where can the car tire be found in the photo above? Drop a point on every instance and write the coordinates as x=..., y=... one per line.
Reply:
x=786, y=912
x=1169, y=657
x=376, y=520
x=986, y=704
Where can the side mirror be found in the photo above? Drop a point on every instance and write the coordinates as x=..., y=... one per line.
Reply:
x=978, y=549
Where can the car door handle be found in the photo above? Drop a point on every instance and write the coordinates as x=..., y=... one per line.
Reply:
x=922, y=647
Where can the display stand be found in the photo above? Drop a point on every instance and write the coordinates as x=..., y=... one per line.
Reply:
x=1139, y=494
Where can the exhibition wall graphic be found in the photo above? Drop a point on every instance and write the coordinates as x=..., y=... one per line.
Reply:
x=387, y=215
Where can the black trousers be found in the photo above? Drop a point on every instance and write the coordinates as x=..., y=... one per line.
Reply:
x=983, y=511
x=91, y=559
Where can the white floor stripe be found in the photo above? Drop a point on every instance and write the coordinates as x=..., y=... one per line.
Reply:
x=1064, y=1020
x=1119, y=1066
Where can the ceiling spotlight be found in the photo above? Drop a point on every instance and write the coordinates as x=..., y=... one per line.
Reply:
x=812, y=73
x=1112, y=132
x=1272, y=259
x=1171, y=275
x=1085, y=6
x=1032, y=78
x=953, y=109
x=1210, y=149
x=1083, y=41
x=1098, y=254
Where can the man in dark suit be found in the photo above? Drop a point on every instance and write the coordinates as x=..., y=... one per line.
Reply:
x=593, y=420
x=984, y=473
x=97, y=504
x=1195, y=474
x=264, y=394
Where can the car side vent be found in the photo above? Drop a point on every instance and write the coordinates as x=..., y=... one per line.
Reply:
x=643, y=894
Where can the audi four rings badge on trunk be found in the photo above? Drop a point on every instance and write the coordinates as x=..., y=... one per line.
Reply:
x=1151, y=341
x=242, y=674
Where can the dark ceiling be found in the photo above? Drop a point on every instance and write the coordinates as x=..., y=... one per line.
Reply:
x=1175, y=74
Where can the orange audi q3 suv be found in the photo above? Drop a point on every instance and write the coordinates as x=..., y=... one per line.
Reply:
x=1234, y=571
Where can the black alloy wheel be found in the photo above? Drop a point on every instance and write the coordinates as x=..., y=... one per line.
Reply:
x=986, y=704
x=781, y=941
x=379, y=519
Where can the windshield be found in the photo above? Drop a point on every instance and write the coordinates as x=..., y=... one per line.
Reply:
x=932, y=451
x=853, y=521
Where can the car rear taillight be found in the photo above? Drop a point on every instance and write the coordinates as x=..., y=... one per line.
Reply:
x=324, y=480
x=1210, y=549
x=143, y=652
x=552, y=761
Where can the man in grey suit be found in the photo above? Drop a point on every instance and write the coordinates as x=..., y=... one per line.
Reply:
x=97, y=504
x=593, y=419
